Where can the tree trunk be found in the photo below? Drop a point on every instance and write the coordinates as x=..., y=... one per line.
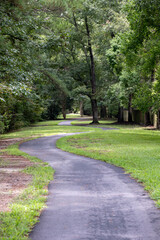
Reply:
x=64, y=108
x=94, y=111
x=120, y=115
x=92, y=76
x=64, y=114
x=103, y=112
x=147, y=119
x=130, y=109
x=81, y=109
x=153, y=76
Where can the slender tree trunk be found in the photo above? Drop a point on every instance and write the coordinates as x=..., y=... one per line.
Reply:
x=103, y=113
x=153, y=76
x=130, y=109
x=147, y=119
x=81, y=109
x=64, y=113
x=157, y=116
x=92, y=76
x=94, y=111
x=64, y=108
x=120, y=115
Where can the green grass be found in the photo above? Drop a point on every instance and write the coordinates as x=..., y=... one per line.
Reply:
x=47, y=123
x=89, y=121
x=70, y=115
x=135, y=150
x=42, y=131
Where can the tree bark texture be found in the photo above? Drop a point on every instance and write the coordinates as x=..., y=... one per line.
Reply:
x=103, y=112
x=81, y=109
x=120, y=115
x=92, y=76
x=94, y=111
x=63, y=102
x=147, y=119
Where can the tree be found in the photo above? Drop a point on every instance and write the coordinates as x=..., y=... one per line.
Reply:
x=77, y=29
x=140, y=43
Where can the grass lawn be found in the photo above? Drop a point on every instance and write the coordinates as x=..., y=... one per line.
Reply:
x=131, y=147
x=106, y=124
x=136, y=150
x=89, y=121
x=41, y=130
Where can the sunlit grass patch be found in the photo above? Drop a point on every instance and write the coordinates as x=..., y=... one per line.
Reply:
x=70, y=115
x=47, y=123
x=90, y=121
x=42, y=131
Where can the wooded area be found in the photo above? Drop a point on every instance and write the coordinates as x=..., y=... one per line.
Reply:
x=97, y=56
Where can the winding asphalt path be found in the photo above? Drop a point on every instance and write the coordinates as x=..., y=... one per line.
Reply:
x=65, y=123
x=91, y=200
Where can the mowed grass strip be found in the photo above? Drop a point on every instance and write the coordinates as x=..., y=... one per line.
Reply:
x=135, y=150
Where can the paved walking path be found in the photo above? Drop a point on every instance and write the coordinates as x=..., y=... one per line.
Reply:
x=91, y=200
x=65, y=123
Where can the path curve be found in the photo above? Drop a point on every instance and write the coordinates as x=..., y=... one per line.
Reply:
x=91, y=200
x=69, y=123
x=65, y=123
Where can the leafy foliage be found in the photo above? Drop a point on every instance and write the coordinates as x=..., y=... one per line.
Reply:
x=55, y=55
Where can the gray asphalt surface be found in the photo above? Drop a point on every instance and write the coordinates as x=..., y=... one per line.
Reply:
x=91, y=200
x=65, y=123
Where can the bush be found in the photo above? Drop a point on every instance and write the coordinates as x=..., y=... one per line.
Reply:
x=52, y=111
x=20, y=106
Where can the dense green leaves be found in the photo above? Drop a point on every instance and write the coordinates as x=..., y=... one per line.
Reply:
x=57, y=54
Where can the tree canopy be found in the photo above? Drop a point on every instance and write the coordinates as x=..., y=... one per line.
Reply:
x=57, y=56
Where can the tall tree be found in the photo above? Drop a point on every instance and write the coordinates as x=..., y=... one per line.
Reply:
x=77, y=31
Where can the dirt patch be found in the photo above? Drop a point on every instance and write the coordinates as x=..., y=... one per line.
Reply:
x=12, y=180
x=6, y=142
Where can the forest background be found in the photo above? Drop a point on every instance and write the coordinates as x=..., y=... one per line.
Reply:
x=96, y=56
